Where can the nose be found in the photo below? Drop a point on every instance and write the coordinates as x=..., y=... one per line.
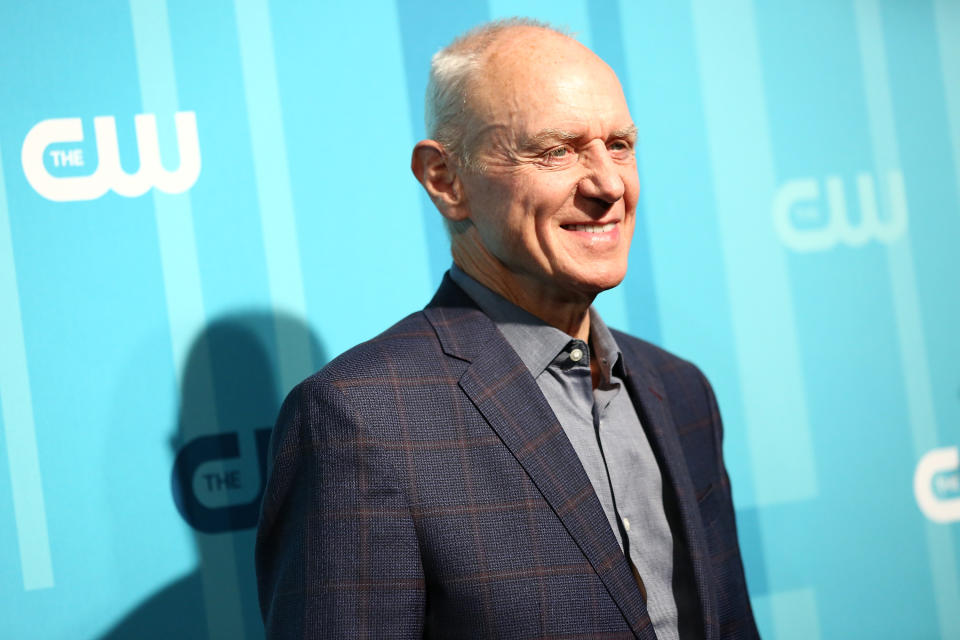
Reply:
x=602, y=180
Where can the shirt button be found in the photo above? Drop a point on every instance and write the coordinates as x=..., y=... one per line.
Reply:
x=626, y=524
x=576, y=354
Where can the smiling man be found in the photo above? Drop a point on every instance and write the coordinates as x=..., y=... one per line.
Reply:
x=501, y=464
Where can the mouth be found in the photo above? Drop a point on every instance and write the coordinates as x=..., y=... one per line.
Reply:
x=590, y=228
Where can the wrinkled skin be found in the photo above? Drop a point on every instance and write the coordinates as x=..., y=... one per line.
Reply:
x=547, y=219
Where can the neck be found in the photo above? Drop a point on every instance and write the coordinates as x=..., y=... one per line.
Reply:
x=570, y=315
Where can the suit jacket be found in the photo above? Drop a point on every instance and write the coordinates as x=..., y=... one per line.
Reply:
x=421, y=486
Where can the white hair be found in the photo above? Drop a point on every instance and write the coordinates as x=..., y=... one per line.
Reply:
x=446, y=109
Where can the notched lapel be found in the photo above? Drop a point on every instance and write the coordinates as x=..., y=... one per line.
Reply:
x=502, y=389
x=649, y=396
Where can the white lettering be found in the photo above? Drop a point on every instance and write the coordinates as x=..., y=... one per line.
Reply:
x=803, y=194
x=109, y=174
x=67, y=158
x=945, y=460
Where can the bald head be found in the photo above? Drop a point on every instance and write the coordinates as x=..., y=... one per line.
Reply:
x=521, y=67
x=465, y=74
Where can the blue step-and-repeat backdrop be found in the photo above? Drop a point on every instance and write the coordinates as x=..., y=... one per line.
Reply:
x=203, y=202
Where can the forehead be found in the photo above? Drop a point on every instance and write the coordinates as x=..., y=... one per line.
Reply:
x=537, y=75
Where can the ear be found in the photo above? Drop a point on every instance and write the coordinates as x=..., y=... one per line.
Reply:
x=435, y=170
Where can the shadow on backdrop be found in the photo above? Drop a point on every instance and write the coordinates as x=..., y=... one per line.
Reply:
x=229, y=398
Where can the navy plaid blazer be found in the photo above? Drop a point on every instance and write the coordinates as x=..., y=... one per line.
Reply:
x=420, y=486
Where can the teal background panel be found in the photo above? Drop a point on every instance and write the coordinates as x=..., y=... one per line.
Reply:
x=162, y=331
x=850, y=356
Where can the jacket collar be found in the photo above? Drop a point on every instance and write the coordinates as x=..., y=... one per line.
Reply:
x=501, y=387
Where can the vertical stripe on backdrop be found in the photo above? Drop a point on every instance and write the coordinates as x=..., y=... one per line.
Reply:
x=446, y=20
x=912, y=342
x=18, y=421
x=274, y=196
x=794, y=614
x=948, y=39
x=578, y=19
x=763, y=320
x=184, y=295
x=688, y=281
x=638, y=292
x=359, y=211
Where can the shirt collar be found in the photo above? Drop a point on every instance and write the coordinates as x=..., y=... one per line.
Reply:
x=604, y=347
x=536, y=342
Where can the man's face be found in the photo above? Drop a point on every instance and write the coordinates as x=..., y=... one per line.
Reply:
x=553, y=204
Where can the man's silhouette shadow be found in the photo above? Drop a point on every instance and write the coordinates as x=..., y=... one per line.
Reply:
x=230, y=394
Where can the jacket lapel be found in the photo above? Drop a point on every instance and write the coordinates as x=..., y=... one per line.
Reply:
x=650, y=398
x=502, y=389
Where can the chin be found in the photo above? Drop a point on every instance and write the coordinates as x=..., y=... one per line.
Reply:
x=609, y=277
x=595, y=285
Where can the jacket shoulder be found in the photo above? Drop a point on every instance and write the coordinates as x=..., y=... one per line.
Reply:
x=410, y=341
x=689, y=391
x=655, y=358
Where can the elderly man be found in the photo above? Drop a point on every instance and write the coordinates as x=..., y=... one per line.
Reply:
x=501, y=464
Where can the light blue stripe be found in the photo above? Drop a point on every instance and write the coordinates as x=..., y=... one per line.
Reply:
x=948, y=38
x=635, y=307
x=185, y=310
x=903, y=281
x=284, y=271
x=15, y=399
x=572, y=16
x=793, y=614
x=178, y=249
x=611, y=304
x=685, y=265
x=772, y=383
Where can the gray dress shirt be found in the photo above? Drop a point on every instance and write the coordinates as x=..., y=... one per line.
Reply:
x=605, y=431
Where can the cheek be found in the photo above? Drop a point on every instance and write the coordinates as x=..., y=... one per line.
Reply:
x=631, y=188
x=551, y=196
x=519, y=214
x=489, y=210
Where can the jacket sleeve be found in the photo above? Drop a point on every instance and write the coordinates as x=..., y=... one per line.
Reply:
x=336, y=551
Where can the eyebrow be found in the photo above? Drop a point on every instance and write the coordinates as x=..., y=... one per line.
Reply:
x=551, y=135
x=547, y=136
x=629, y=132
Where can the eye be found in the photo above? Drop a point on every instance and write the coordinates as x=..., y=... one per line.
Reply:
x=620, y=148
x=558, y=155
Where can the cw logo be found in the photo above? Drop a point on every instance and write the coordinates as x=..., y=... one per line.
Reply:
x=800, y=199
x=109, y=175
x=225, y=446
x=938, y=472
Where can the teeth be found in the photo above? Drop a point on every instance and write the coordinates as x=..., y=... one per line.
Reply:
x=593, y=228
